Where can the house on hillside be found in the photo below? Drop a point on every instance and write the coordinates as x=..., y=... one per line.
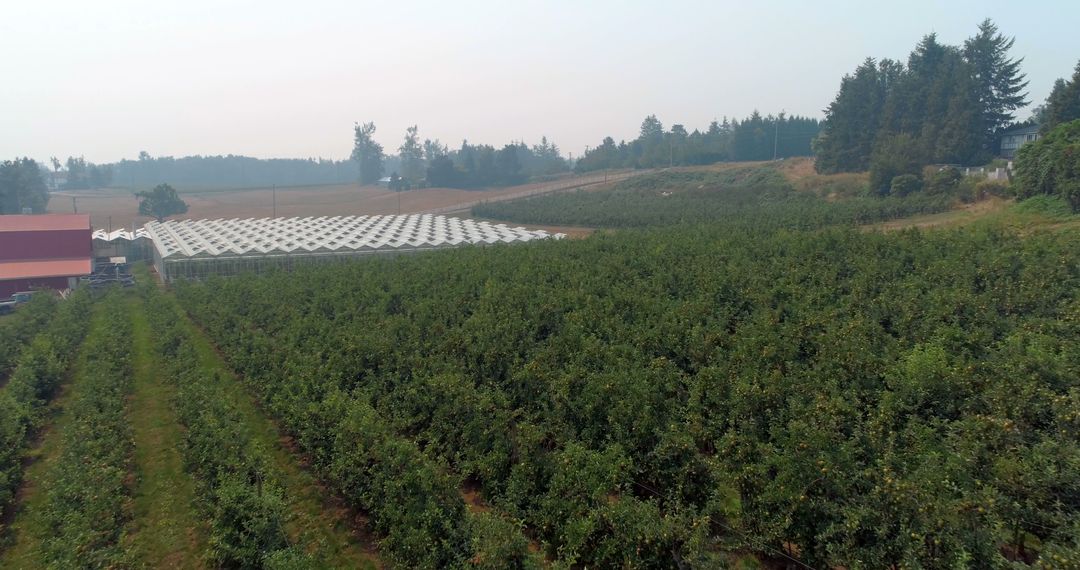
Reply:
x=1013, y=139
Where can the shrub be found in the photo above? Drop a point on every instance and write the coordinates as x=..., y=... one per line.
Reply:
x=905, y=184
x=944, y=181
x=985, y=188
x=1051, y=165
x=893, y=155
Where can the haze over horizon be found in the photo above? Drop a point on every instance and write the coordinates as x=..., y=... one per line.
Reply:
x=266, y=79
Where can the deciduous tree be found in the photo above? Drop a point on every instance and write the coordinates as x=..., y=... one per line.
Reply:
x=161, y=202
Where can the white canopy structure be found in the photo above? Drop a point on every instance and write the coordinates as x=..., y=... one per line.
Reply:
x=132, y=244
x=193, y=248
x=120, y=234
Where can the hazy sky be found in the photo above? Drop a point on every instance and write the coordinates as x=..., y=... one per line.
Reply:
x=106, y=79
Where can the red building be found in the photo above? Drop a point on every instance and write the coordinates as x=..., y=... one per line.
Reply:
x=43, y=251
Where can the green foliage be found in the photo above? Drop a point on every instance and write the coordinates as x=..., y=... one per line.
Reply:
x=367, y=153
x=498, y=543
x=39, y=371
x=1051, y=165
x=239, y=489
x=945, y=181
x=948, y=101
x=654, y=398
x=22, y=187
x=755, y=198
x=894, y=155
x=1063, y=104
x=998, y=81
x=755, y=138
x=412, y=156
x=16, y=331
x=905, y=184
x=998, y=188
x=161, y=202
x=1050, y=206
x=88, y=501
x=230, y=171
x=854, y=117
x=83, y=175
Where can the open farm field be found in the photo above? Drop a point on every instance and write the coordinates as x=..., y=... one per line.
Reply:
x=120, y=208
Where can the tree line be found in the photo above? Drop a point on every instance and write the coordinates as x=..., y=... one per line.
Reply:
x=432, y=163
x=231, y=171
x=755, y=138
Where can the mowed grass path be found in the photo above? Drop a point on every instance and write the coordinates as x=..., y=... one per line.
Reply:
x=167, y=531
x=317, y=522
x=27, y=528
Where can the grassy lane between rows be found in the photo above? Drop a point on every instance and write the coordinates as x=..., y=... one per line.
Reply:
x=25, y=535
x=316, y=520
x=167, y=532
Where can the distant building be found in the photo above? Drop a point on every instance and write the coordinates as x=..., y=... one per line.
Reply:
x=1013, y=139
x=50, y=251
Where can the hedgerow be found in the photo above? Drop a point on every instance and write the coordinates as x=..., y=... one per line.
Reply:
x=88, y=496
x=238, y=487
x=40, y=370
x=18, y=330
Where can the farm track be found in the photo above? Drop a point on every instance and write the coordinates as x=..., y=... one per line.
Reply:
x=20, y=548
x=317, y=521
x=167, y=531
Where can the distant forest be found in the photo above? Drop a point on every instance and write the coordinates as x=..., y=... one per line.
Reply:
x=755, y=138
x=229, y=172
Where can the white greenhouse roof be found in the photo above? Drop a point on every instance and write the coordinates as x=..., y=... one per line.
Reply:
x=178, y=239
x=120, y=234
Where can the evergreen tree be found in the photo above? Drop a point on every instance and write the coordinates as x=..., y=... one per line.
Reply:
x=852, y=120
x=1063, y=105
x=999, y=83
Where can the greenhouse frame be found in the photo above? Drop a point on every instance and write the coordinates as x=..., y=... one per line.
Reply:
x=193, y=249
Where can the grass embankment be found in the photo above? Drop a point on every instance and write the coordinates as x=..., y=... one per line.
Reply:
x=1039, y=213
x=167, y=532
x=315, y=520
x=25, y=535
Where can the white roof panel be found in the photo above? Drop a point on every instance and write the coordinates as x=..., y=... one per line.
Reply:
x=175, y=239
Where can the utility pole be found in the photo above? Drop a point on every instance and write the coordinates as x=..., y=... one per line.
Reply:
x=74, y=207
x=274, y=186
x=671, y=151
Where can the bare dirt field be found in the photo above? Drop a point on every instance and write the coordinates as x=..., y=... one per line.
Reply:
x=119, y=208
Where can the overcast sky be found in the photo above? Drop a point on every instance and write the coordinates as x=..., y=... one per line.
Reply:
x=106, y=79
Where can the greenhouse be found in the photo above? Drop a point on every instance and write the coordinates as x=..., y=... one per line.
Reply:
x=191, y=249
x=130, y=244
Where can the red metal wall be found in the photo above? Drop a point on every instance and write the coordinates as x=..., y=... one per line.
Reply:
x=7, y=288
x=53, y=244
